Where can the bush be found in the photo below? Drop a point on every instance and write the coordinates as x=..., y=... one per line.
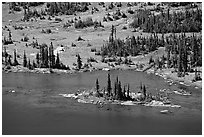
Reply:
x=130, y=11
x=124, y=27
x=93, y=49
x=25, y=39
x=58, y=19
x=91, y=59
x=17, y=8
x=73, y=45
x=109, y=18
x=98, y=53
x=46, y=31
x=82, y=24
x=116, y=17
x=89, y=45
x=124, y=16
x=80, y=39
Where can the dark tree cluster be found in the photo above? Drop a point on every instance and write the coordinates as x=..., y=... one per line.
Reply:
x=84, y=23
x=30, y=4
x=177, y=4
x=46, y=58
x=28, y=13
x=131, y=45
x=67, y=8
x=14, y=6
x=115, y=16
x=184, y=52
x=6, y=58
x=88, y=22
x=166, y=22
x=119, y=92
x=79, y=62
x=6, y=41
x=53, y=9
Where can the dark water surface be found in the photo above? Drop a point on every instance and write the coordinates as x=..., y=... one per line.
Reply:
x=37, y=108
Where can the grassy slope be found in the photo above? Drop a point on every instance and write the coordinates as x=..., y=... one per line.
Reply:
x=61, y=36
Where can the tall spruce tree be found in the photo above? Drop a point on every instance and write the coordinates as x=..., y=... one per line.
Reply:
x=51, y=56
x=15, y=62
x=97, y=86
x=29, y=64
x=38, y=59
x=6, y=56
x=144, y=91
x=109, y=85
x=79, y=62
x=24, y=59
x=57, y=64
x=9, y=61
x=128, y=91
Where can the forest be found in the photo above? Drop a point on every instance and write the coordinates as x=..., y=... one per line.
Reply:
x=189, y=20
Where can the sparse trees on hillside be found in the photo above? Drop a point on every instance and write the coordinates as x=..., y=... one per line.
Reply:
x=176, y=22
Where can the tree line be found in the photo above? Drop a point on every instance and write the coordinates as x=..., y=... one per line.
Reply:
x=45, y=58
x=54, y=9
x=189, y=20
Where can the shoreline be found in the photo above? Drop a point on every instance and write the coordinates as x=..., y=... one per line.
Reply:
x=164, y=73
x=186, y=80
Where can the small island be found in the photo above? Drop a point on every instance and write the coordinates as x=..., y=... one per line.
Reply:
x=121, y=96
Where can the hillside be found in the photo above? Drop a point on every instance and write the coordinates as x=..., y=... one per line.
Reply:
x=60, y=29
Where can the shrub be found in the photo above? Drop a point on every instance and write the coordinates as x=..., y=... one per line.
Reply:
x=25, y=39
x=80, y=39
x=89, y=45
x=91, y=59
x=58, y=19
x=73, y=45
x=93, y=49
x=124, y=16
x=130, y=11
x=124, y=27
x=116, y=17
x=82, y=24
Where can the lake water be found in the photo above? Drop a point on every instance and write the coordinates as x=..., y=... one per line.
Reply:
x=37, y=108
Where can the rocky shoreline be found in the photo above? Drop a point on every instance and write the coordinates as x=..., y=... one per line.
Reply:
x=90, y=96
x=165, y=73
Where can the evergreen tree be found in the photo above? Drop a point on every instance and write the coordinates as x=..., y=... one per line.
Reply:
x=97, y=86
x=57, y=64
x=24, y=59
x=15, y=62
x=38, y=60
x=115, y=89
x=144, y=91
x=46, y=57
x=51, y=56
x=9, y=61
x=119, y=91
x=168, y=57
x=124, y=91
x=109, y=85
x=6, y=56
x=79, y=62
x=10, y=39
x=34, y=64
x=128, y=91
x=29, y=65
x=141, y=88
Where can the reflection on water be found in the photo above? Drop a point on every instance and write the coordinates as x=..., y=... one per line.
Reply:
x=36, y=108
